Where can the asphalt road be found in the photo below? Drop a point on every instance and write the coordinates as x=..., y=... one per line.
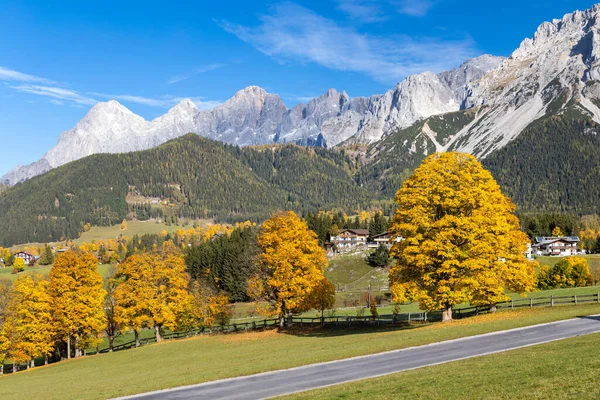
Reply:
x=314, y=376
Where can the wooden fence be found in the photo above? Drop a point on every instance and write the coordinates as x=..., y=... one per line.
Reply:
x=389, y=320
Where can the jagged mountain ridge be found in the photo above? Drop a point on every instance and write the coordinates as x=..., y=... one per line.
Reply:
x=253, y=117
x=555, y=71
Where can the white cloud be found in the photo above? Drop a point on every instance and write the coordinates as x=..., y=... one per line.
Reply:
x=57, y=102
x=55, y=93
x=15, y=76
x=164, y=101
x=415, y=8
x=201, y=70
x=294, y=33
x=365, y=11
x=147, y=101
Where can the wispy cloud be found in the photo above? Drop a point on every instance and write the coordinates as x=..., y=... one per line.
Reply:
x=43, y=87
x=164, y=101
x=365, y=11
x=147, y=101
x=201, y=70
x=294, y=33
x=415, y=8
x=55, y=93
x=16, y=76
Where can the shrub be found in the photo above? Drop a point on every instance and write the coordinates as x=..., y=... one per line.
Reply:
x=380, y=257
x=567, y=273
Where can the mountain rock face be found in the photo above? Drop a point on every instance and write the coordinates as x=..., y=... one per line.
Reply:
x=558, y=68
x=254, y=117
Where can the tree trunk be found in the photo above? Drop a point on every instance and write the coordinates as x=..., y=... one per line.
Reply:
x=447, y=314
x=14, y=367
x=137, y=338
x=1, y=369
x=28, y=363
x=69, y=347
x=281, y=321
x=77, y=349
x=157, y=333
x=46, y=359
x=493, y=308
x=111, y=343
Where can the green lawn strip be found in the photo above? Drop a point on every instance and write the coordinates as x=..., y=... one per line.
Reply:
x=184, y=362
x=567, y=369
x=6, y=273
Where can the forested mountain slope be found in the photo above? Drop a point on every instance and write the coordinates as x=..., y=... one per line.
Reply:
x=186, y=177
x=554, y=165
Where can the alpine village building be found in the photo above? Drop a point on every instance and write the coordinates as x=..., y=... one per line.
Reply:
x=555, y=246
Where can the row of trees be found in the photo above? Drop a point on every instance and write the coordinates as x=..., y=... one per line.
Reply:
x=74, y=309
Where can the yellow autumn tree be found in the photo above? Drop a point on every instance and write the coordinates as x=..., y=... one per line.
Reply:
x=6, y=295
x=131, y=292
x=31, y=311
x=557, y=232
x=77, y=300
x=322, y=297
x=205, y=308
x=461, y=239
x=154, y=291
x=18, y=265
x=124, y=225
x=292, y=264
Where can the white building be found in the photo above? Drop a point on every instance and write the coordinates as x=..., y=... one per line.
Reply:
x=556, y=246
x=350, y=238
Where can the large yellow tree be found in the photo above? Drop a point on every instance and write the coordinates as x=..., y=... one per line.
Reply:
x=292, y=264
x=461, y=238
x=6, y=294
x=154, y=291
x=31, y=311
x=77, y=300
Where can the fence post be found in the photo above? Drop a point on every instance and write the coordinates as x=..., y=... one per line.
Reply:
x=575, y=299
x=551, y=301
x=408, y=317
x=512, y=304
x=425, y=316
x=598, y=294
x=530, y=303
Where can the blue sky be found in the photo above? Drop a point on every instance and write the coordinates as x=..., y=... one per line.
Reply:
x=58, y=58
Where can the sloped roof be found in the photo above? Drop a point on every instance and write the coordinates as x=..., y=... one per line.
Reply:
x=356, y=231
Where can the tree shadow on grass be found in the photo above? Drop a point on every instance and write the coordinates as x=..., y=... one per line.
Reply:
x=340, y=330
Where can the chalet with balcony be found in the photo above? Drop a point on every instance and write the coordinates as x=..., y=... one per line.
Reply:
x=555, y=246
x=350, y=238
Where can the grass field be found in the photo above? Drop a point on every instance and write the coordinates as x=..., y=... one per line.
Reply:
x=133, y=228
x=567, y=369
x=6, y=273
x=175, y=363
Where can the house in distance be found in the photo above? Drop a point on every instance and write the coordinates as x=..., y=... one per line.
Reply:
x=555, y=246
x=29, y=259
x=350, y=239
